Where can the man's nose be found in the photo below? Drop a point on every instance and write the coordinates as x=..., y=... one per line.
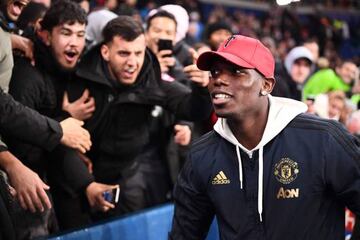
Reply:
x=131, y=60
x=75, y=40
x=163, y=35
x=219, y=79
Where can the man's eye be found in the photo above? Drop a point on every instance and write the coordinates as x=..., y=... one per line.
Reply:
x=236, y=71
x=66, y=33
x=214, y=72
x=123, y=54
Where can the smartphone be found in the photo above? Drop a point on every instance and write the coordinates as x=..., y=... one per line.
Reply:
x=112, y=195
x=165, y=44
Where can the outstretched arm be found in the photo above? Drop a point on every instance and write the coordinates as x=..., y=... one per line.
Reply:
x=30, y=126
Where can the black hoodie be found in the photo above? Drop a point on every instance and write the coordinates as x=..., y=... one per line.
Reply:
x=40, y=87
x=120, y=124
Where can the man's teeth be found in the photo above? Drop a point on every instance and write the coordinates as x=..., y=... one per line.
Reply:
x=131, y=70
x=221, y=96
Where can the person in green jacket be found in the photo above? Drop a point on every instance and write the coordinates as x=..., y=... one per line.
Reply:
x=326, y=80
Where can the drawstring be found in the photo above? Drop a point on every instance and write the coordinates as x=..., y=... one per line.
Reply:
x=240, y=166
x=260, y=183
x=260, y=177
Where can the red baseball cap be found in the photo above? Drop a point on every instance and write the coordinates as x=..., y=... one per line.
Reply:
x=242, y=51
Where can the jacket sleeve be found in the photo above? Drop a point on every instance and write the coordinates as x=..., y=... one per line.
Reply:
x=68, y=171
x=75, y=170
x=26, y=85
x=193, y=209
x=191, y=105
x=342, y=168
x=28, y=125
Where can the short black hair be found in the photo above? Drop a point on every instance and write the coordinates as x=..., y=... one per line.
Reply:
x=63, y=11
x=124, y=26
x=160, y=13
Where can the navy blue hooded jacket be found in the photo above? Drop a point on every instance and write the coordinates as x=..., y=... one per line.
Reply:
x=294, y=184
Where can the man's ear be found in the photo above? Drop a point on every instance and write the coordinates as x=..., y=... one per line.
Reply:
x=105, y=52
x=37, y=25
x=268, y=85
x=45, y=36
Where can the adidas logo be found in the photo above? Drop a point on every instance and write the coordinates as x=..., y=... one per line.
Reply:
x=220, y=178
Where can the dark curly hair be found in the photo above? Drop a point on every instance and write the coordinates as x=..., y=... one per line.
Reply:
x=63, y=11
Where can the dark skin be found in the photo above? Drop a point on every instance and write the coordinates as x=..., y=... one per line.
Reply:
x=236, y=96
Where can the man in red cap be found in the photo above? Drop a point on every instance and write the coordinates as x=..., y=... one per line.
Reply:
x=267, y=170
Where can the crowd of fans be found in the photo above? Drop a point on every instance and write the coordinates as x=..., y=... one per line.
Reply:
x=142, y=107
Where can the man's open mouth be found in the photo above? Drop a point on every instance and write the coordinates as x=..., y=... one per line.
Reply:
x=71, y=55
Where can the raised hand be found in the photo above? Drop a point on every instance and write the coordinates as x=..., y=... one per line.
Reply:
x=182, y=134
x=25, y=45
x=82, y=108
x=165, y=59
x=194, y=73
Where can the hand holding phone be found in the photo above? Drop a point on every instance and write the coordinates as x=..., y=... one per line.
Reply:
x=165, y=44
x=164, y=54
x=112, y=195
x=95, y=193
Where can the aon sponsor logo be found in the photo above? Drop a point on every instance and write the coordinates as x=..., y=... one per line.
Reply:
x=287, y=193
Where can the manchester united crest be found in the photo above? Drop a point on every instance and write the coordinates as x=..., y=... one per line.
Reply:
x=286, y=170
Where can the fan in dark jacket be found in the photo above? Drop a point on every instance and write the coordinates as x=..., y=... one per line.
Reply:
x=124, y=79
x=292, y=76
x=24, y=123
x=57, y=47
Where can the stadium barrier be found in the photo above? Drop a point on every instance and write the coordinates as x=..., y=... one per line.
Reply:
x=152, y=224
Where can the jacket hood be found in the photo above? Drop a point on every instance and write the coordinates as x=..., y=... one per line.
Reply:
x=281, y=112
x=96, y=22
x=296, y=53
x=182, y=19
